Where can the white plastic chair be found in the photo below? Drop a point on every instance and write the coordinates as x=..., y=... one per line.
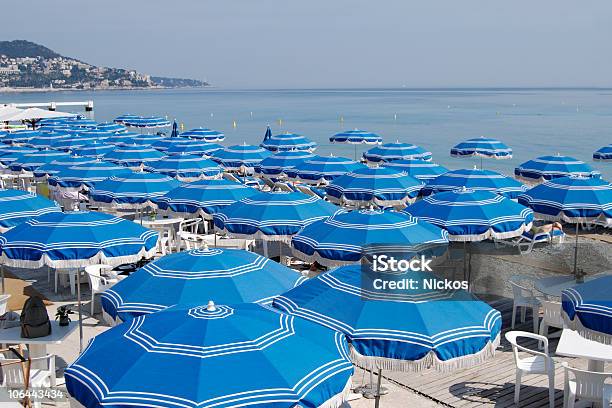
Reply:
x=586, y=386
x=3, y=307
x=524, y=298
x=538, y=363
x=551, y=317
x=98, y=283
x=13, y=375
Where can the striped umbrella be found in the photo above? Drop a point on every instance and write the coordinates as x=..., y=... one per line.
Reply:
x=81, y=122
x=288, y=142
x=185, y=278
x=322, y=170
x=587, y=308
x=419, y=169
x=47, y=139
x=84, y=176
x=146, y=139
x=99, y=134
x=127, y=117
x=470, y=215
x=94, y=149
x=278, y=164
x=477, y=180
x=242, y=156
x=482, y=147
x=204, y=198
x=551, y=167
x=356, y=136
x=50, y=169
x=18, y=206
x=9, y=154
x=342, y=238
x=396, y=151
x=21, y=136
x=274, y=216
x=378, y=186
x=146, y=122
x=194, y=147
x=132, y=190
x=121, y=139
x=28, y=162
x=133, y=155
x=603, y=154
x=207, y=135
x=218, y=356
x=74, y=142
x=165, y=142
x=111, y=127
x=186, y=167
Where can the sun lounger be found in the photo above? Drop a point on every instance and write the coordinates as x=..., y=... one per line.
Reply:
x=526, y=242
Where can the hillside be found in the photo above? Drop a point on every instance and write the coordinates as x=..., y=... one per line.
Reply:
x=24, y=64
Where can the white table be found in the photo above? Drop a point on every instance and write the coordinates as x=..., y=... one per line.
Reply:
x=554, y=285
x=572, y=344
x=164, y=225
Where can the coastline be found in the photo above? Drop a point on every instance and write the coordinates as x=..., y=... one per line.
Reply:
x=8, y=90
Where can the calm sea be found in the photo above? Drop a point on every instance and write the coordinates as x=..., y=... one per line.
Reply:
x=533, y=122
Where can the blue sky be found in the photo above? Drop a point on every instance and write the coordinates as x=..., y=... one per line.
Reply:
x=332, y=43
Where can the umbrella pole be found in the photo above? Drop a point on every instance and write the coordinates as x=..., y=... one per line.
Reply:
x=2, y=271
x=378, y=384
x=78, y=280
x=464, y=260
x=355, y=151
x=576, y=254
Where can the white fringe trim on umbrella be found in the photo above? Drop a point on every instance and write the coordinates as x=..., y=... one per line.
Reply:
x=374, y=201
x=337, y=400
x=427, y=362
x=125, y=206
x=587, y=333
x=99, y=258
x=257, y=236
x=316, y=257
x=490, y=234
x=572, y=220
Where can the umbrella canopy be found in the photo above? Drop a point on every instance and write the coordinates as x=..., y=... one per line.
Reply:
x=396, y=151
x=477, y=180
x=32, y=161
x=111, y=127
x=76, y=239
x=208, y=135
x=194, y=147
x=57, y=165
x=149, y=122
x=133, y=155
x=18, y=206
x=84, y=176
x=186, y=167
x=440, y=329
x=551, y=167
x=342, y=238
x=274, y=216
x=9, y=154
x=237, y=156
x=277, y=164
x=165, y=142
x=288, y=142
x=470, y=215
x=127, y=117
x=174, y=132
x=33, y=115
x=356, y=136
x=47, y=139
x=221, y=356
x=74, y=142
x=97, y=133
x=186, y=278
x=377, y=186
x=322, y=170
x=146, y=139
x=81, y=122
x=204, y=198
x=21, y=136
x=482, y=147
x=133, y=190
x=121, y=139
x=419, y=169
x=603, y=154
x=94, y=149
x=572, y=199
x=587, y=308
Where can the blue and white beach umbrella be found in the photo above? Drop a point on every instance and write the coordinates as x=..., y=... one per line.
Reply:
x=187, y=278
x=21, y=136
x=74, y=240
x=242, y=355
x=419, y=169
x=81, y=122
x=587, y=308
x=470, y=215
x=322, y=170
x=409, y=330
x=186, y=167
x=147, y=139
x=133, y=190
x=196, y=147
x=551, y=167
x=165, y=142
x=28, y=162
x=276, y=165
x=94, y=149
x=482, y=147
x=18, y=206
x=378, y=186
x=603, y=154
x=121, y=139
x=74, y=142
x=572, y=199
x=207, y=135
x=84, y=176
x=396, y=151
x=127, y=117
x=9, y=154
x=98, y=134
x=146, y=122
x=288, y=142
x=274, y=216
x=240, y=156
x=133, y=155
x=50, y=169
x=111, y=127
x=204, y=198
x=477, y=180
x=356, y=136
x=342, y=238
x=47, y=139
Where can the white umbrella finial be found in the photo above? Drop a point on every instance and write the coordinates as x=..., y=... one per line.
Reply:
x=211, y=306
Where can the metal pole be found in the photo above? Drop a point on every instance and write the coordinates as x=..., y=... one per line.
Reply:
x=2, y=271
x=576, y=253
x=377, y=397
x=78, y=279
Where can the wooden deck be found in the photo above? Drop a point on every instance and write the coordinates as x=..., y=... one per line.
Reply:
x=490, y=384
